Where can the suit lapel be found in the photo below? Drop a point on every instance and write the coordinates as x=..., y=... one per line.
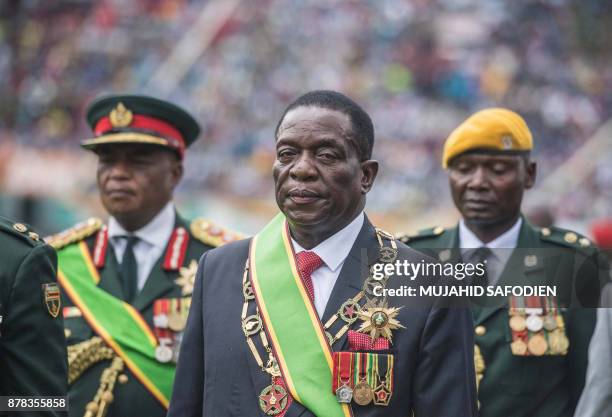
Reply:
x=365, y=251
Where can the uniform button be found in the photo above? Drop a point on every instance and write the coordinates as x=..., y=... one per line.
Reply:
x=480, y=330
x=67, y=333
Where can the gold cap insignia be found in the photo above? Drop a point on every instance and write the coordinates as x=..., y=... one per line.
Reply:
x=438, y=230
x=52, y=298
x=120, y=116
x=20, y=227
x=506, y=141
x=584, y=242
x=545, y=231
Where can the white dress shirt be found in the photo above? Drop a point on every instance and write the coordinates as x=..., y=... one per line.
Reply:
x=333, y=251
x=500, y=248
x=153, y=240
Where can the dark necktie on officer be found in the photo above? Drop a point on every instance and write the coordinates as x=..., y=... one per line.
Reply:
x=129, y=269
x=481, y=256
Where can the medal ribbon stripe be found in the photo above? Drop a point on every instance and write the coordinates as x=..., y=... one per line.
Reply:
x=118, y=323
x=298, y=339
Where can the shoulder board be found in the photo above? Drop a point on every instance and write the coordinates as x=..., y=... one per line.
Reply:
x=20, y=230
x=421, y=234
x=564, y=237
x=211, y=234
x=75, y=234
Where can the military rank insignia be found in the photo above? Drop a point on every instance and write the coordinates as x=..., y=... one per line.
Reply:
x=537, y=327
x=363, y=378
x=169, y=320
x=52, y=298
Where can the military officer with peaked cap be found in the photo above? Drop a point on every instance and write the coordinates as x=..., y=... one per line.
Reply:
x=32, y=345
x=128, y=282
x=530, y=358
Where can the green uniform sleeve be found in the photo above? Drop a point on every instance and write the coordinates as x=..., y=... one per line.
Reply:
x=32, y=344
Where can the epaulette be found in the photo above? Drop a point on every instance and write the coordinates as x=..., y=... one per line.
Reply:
x=421, y=234
x=564, y=237
x=21, y=230
x=211, y=234
x=76, y=233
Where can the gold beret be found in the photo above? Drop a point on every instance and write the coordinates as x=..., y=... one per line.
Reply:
x=496, y=129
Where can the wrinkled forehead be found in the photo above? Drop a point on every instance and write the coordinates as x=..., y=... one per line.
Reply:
x=316, y=121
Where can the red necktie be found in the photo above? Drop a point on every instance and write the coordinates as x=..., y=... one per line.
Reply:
x=307, y=263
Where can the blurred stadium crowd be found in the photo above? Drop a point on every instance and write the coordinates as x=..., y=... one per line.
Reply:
x=419, y=67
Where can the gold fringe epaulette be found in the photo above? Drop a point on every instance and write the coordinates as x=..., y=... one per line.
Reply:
x=76, y=233
x=211, y=234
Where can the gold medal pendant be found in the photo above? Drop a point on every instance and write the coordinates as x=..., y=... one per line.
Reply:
x=559, y=343
x=518, y=323
x=518, y=347
x=362, y=393
x=537, y=345
x=176, y=323
x=273, y=399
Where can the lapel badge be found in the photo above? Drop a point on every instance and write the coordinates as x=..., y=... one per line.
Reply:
x=530, y=261
x=387, y=254
x=444, y=255
x=186, y=277
x=379, y=320
x=52, y=298
x=120, y=116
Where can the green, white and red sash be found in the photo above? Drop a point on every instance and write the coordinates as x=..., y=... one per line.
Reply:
x=296, y=333
x=118, y=323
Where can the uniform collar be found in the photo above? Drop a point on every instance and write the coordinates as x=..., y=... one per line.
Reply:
x=334, y=250
x=508, y=240
x=156, y=232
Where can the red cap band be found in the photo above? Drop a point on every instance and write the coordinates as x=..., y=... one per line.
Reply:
x=139, y=121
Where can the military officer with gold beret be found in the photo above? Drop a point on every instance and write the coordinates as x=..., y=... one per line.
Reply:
x=128, y=282
x=531, y=350
x=32, y=345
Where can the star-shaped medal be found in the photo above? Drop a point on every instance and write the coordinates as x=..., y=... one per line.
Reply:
x=186, y=277
x=379, y=320
x=273, y=400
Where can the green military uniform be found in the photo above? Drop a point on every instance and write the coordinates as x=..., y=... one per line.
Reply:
x=124, y=328
x=32, y=344
x=510, y=383
x=89, y=356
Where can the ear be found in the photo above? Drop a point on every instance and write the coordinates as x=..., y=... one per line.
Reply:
x=176, y=171
x=369, y=170
x=531, y=170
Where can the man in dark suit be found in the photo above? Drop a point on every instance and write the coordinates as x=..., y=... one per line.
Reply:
x=128, y=283
x=531, y=351
x=32, y=345
x=282, y=322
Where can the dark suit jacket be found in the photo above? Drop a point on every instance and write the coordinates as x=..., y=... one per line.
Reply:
x=132, y=398
x=217, y=375
x=528, y=386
